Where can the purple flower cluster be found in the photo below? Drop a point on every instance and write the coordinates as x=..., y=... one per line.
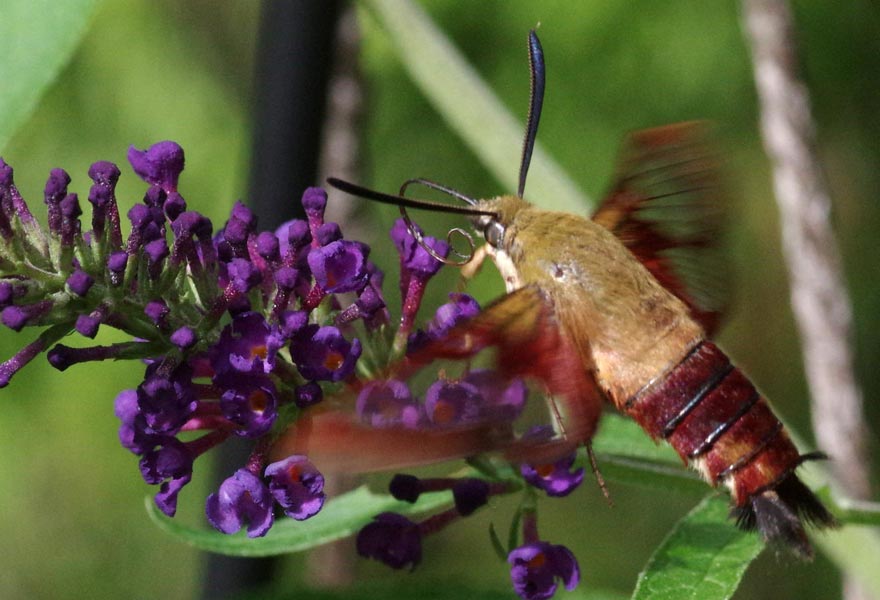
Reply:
x=234, y=326
x=243, y=331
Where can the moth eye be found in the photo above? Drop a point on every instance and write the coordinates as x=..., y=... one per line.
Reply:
x=494, y=234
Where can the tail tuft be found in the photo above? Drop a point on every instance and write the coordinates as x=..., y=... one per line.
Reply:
x=779, y=513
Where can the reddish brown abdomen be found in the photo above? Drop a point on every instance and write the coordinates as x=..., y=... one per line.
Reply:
x=714, y=417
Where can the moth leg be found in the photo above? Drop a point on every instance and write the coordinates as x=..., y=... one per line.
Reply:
x=594, y=465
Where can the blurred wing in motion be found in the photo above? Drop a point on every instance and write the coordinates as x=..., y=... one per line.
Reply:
x=668, y=208
x=529, y=344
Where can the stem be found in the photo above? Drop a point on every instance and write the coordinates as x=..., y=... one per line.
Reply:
x=818, y=295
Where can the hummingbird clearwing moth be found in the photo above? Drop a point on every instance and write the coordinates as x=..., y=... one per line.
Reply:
x=618, y=308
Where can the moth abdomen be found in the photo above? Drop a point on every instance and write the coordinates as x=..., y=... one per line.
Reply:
x=718, y=422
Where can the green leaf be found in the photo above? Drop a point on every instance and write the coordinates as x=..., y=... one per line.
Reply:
x=340, y=517
x=37, y=38
x=626, y=454
x=469, y=106
x=703, y=558
x=623, y=437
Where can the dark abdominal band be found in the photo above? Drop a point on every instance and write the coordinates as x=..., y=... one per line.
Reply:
x=706, y=407
x=709, y=411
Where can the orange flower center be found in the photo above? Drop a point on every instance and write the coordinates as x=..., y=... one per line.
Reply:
x=333, y=361
x=258, y=400
x=544, y=471
x=444, y=412
x=538, y=561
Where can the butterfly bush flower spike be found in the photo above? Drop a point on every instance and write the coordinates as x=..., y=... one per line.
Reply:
x=246, y=334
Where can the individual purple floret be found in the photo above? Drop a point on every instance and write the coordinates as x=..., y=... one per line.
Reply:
x=247, y=345
x=482, y=396
x=503, y=398
x=391, y=539
x=417, y=267
x=243, y=274
x=157, y=311
x=470, y=494
x=460, y=308
x=241, y=224
x=242, y=498
x=314, y=201
x=535, y=568
x=387, y=404
x=406, y=487
x=159, y=165
x=16, y=317
x=293, y=321
x=166, y=400
x=308, y=394
x=293, y=236
x=80, y=282
x=370, y=305
x=339, y=267
x=87, y=325
x=170, y=464
x=54, y=193
x=328, y=233
x=557, y=479
x=184, y=338
x=268, y=247
x=250, y=402
x=133, y=430
x=297, y=486
x=156, y=252
x=323, y=354
x=453, y=402
x=7, y=291
x=117, y=261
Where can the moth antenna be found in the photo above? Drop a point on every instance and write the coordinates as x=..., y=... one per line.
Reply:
x=417, y=235
x=537, y=78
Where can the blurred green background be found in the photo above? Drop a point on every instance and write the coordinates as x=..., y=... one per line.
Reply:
x=72, y=516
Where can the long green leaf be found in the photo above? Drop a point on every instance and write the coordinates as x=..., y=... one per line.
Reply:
x=340, y=517
x=469, y=105
x=37, y=38
x=703, y=558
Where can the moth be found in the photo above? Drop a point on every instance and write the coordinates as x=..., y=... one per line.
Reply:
x=620, y=308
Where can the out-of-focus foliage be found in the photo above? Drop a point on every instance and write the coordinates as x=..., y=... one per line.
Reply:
x=148, y=71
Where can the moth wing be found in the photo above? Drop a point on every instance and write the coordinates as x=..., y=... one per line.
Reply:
x=337, y=442
x=529, y=343
x=667, y=206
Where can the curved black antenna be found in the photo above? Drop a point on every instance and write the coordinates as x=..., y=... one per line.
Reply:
x=417, y=235
x=538, y=76
x=357, y=190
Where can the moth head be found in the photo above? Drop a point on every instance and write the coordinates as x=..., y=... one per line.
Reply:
x=489, y=217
